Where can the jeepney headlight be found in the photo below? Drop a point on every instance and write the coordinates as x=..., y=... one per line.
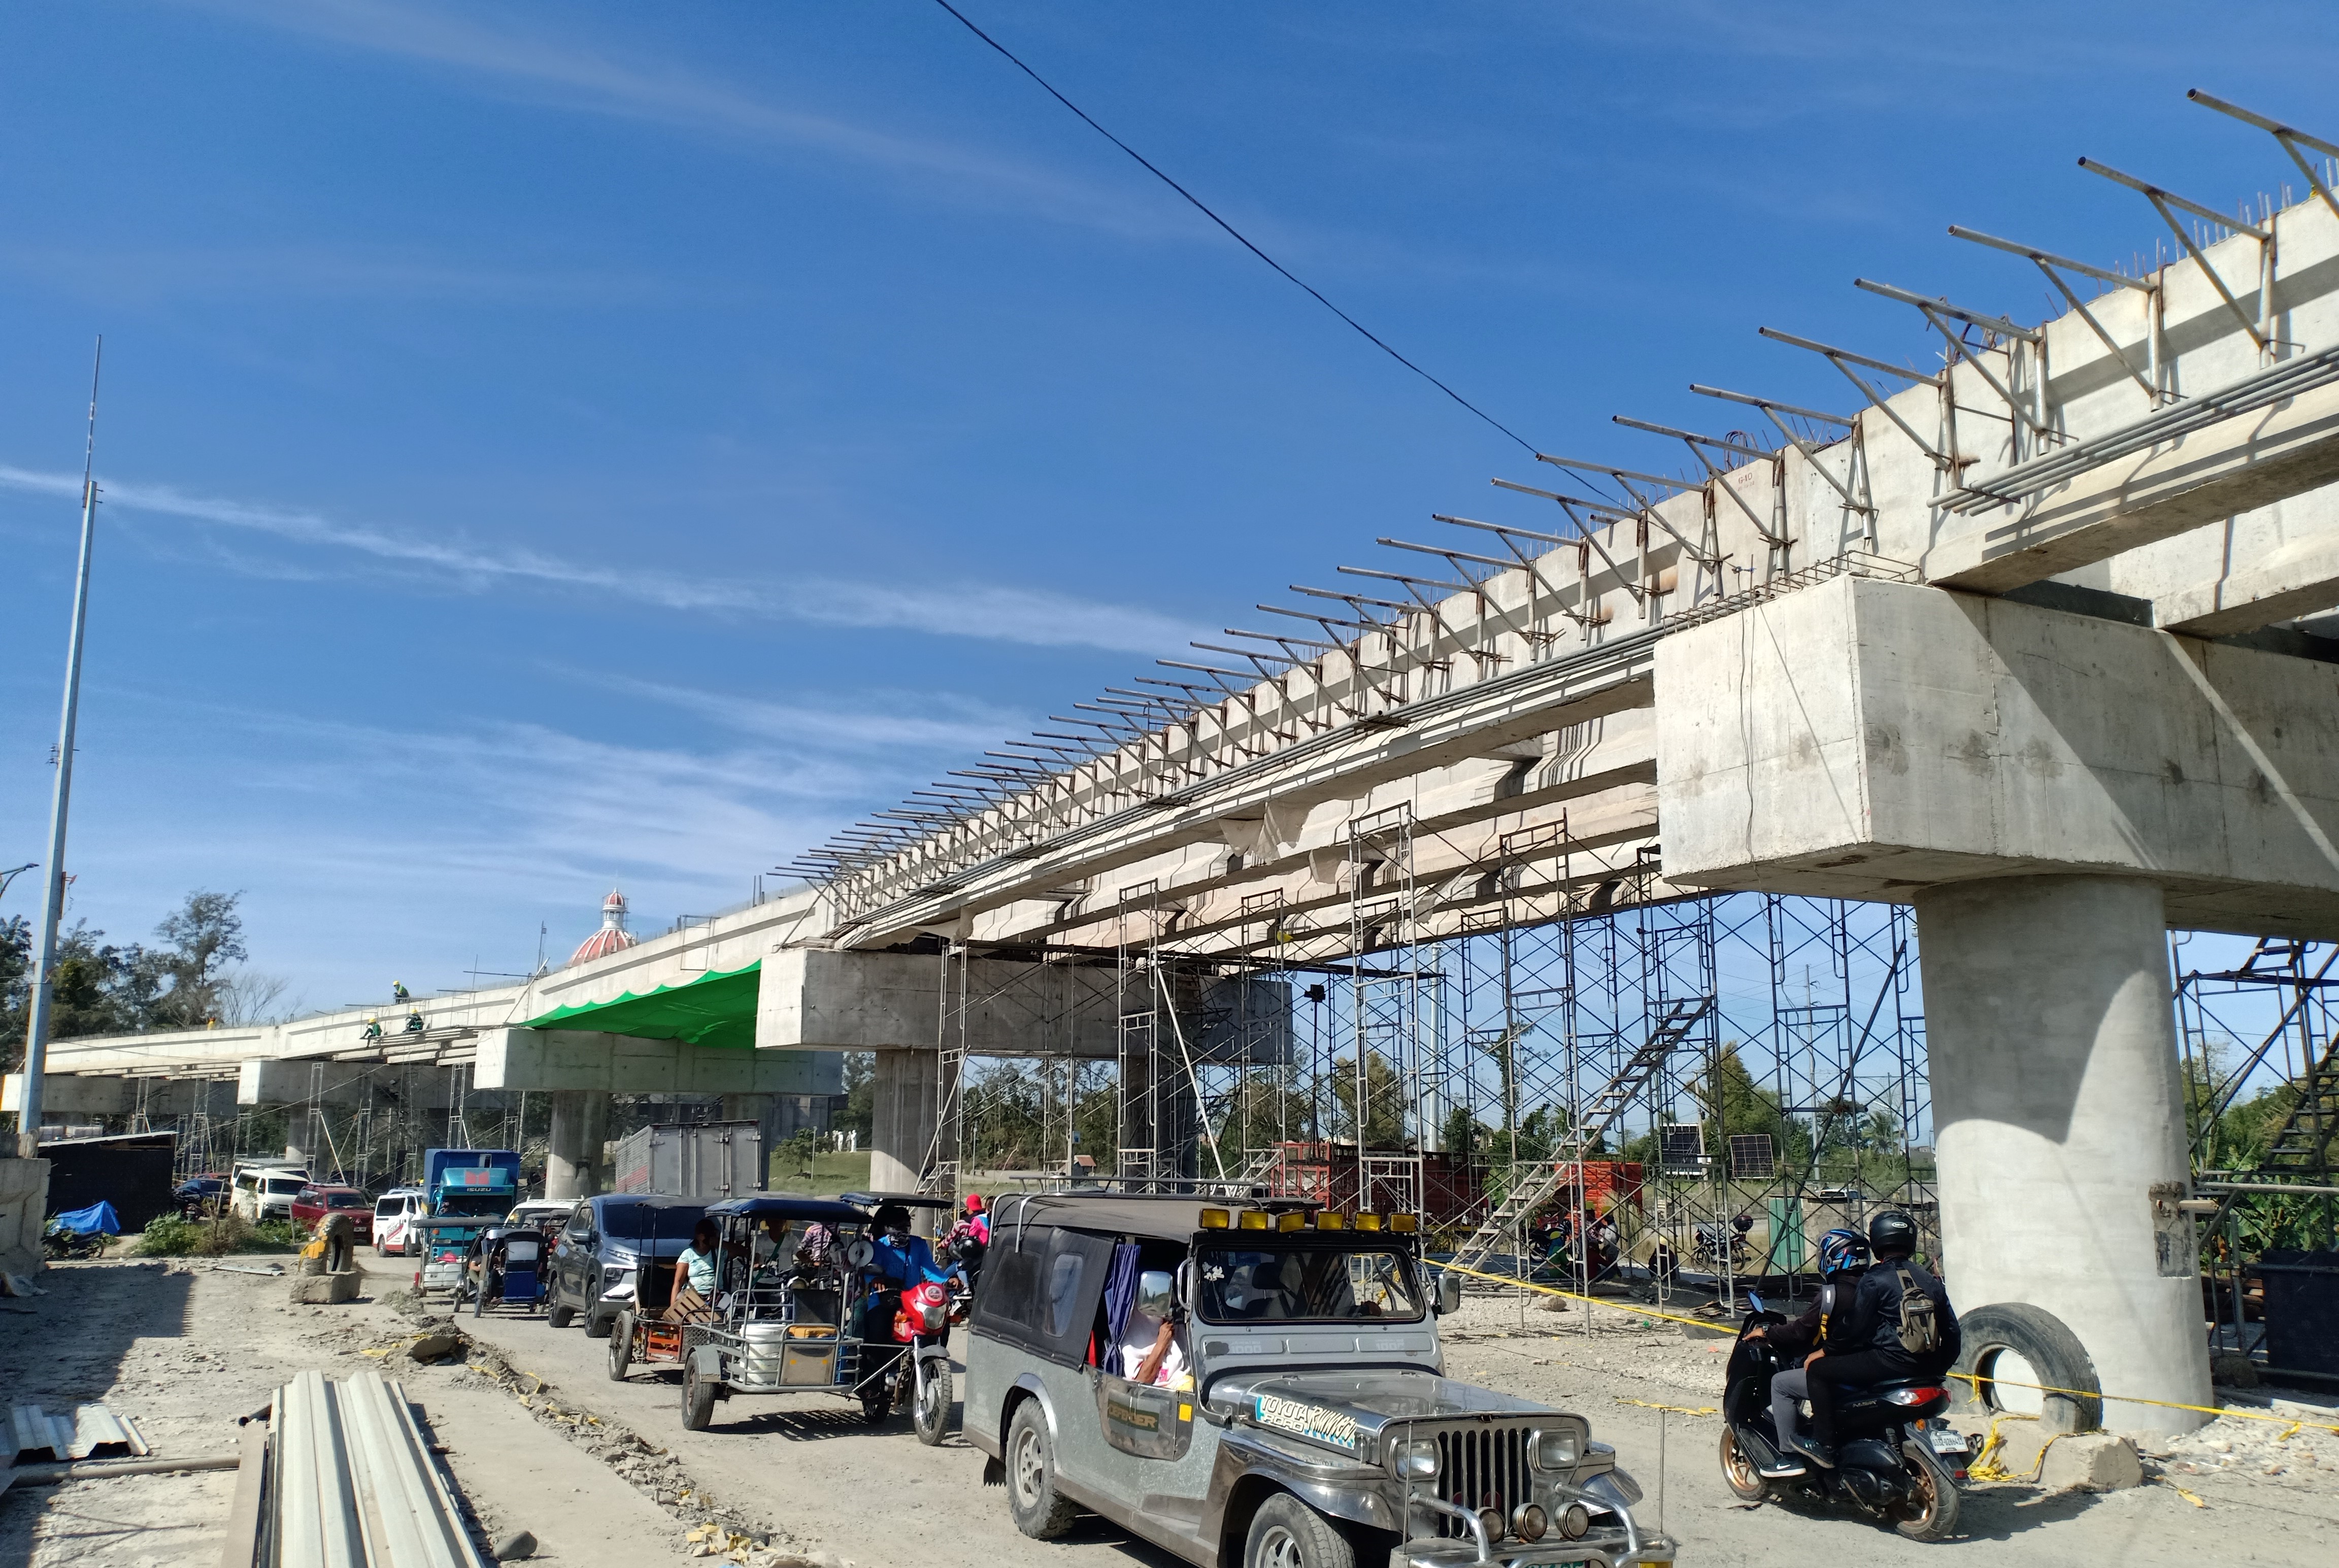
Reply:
x=1574, y=1520
x=1528, y=1522
x=1415, y=1459
x=1553, y=1448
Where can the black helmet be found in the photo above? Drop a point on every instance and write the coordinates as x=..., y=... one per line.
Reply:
x=1892, y=1231
x=893, y=1217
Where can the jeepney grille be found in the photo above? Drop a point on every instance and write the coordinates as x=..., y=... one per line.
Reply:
x=1481, y=1467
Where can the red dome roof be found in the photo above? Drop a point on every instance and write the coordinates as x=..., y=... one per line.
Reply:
x=613, y=936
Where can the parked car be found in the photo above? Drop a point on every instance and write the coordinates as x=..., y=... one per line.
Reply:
x=313, y=1202
x=393, y=1211
x=1300, y=1410
x=264, y=1189
x=603, y=1244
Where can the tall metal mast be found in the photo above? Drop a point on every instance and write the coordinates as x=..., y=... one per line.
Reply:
x=52, y=892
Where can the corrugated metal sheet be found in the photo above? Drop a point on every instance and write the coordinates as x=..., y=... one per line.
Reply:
x=352, y=1483
x=81, y=1433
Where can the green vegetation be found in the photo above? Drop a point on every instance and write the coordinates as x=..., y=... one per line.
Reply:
x=169, y=1236
x=821, y=1173
x=188, y=978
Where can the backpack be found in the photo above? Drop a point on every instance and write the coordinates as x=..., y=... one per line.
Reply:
x=1921, y=1317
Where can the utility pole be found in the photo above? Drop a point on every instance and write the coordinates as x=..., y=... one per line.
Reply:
x=53, y=899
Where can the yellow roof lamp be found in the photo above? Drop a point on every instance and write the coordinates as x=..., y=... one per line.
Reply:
x=1294, y=1220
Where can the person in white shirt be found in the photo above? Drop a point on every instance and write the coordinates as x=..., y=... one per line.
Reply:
x=1150, y=1351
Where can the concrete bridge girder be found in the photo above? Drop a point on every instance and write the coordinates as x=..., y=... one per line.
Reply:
x=66, y=1096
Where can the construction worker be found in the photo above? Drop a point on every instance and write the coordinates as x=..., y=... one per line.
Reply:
x=399, y=993
x=414, y=1021
x=372, y=1029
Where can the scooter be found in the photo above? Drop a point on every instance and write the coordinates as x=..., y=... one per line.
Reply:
x=1894, y=1461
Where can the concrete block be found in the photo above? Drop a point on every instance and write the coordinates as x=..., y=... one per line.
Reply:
x=325, y=1289
x=2091, y=1462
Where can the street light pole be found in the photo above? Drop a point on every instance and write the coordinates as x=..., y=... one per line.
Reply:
x=53, y=899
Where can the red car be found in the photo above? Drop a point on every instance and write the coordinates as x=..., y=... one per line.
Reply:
x=313, y=1203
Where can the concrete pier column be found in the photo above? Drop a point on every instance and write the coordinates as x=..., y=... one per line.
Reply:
x=2058, y=1108
x=580, y=1125
x=902, y=1120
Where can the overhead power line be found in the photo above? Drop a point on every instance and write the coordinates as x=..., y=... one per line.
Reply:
x=1237, y=234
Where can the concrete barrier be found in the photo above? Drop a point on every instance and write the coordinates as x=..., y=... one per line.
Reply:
x=23, y=1208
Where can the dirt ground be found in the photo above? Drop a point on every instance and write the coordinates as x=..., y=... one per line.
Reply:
x=537, y=1437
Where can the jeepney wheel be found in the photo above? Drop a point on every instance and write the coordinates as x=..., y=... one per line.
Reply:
x=697, y=1397
x=933, y=1413
x=621, y=1346
x=1738, y=1469
x=1287, y=1533
x=1037, y=1509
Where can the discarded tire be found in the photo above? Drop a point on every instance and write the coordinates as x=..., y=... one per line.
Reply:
x=2053, y=1352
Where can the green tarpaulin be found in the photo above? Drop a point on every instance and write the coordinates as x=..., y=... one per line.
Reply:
x=716, y=1008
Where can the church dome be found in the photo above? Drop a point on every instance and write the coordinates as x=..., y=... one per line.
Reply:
x=613, y=936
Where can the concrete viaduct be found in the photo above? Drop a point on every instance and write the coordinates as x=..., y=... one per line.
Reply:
x=2022, y=638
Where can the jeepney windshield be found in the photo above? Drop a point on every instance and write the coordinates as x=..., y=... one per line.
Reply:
x=474, y=1204
x=1270, y=1283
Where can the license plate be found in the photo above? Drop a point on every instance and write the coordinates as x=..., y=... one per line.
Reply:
x=1949, y=1442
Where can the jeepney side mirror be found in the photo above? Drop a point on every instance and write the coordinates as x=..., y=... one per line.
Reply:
x=1449, y=1292
x=1156, y=1293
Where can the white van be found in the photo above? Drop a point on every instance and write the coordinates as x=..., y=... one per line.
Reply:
x=394, y=1213
x=264, y=1189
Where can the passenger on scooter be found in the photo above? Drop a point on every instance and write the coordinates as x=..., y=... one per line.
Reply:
x=1876, y=1345
x=1842, y=1257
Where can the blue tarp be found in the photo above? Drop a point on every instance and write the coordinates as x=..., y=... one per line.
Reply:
x=98, y=1219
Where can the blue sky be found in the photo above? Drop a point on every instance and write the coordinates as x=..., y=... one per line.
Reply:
x=552, y=447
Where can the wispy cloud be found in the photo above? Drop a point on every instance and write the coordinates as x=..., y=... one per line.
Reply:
x=574, y=77
x=340, y=271
x=941, y=723
x=991, y=612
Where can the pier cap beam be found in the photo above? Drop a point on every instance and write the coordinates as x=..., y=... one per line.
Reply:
x=1867, y=739
x=559, y=1059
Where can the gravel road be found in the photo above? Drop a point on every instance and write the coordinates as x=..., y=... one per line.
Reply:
x=605, y=1474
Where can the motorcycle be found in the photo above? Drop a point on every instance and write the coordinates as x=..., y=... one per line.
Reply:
x=1894, y=1460
x=919, y=1375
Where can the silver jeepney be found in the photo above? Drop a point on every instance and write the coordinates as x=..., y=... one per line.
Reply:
x=1337, y=1405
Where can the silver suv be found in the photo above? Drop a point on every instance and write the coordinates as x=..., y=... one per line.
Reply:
x=1263, y=1387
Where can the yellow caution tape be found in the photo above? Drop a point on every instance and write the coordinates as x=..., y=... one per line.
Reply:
x=2159, y=1404
x=1982, y=1466
x=1676, y=1409
x=1571, y=1295
x=1962, y=1376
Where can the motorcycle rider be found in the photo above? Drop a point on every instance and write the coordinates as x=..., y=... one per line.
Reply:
x=1874, y=1339
x=1844, y=1257
x=900, y=1261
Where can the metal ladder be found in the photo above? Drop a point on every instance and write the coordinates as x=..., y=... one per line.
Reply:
x=1672, y=1027
x=2303, y=1143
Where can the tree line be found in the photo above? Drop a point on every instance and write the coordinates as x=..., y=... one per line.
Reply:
x=190, y=976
